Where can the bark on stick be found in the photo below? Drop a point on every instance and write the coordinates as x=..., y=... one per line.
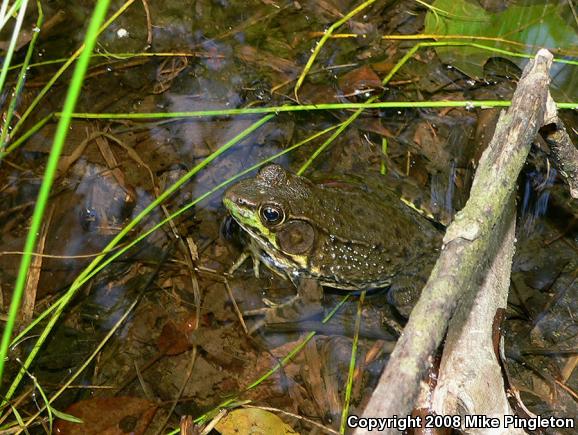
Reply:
x=467, y=245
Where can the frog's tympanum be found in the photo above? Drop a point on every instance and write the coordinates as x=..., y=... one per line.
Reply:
x=339, y=235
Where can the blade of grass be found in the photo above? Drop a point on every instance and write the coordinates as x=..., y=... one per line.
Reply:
x=5, y=16
x=351, y=372
x=330, y=140
x=287, y=108
x=30, y=132
x=82, y=277
x=447, y=14
x=3, y=9
x=321, y=42
x=12, y=45
x=484, y=104
x=49, y=174
x=337, y=106
x=276, y=109
x=382, y=166
x=64, y=67
x=124, y=56
x=352, y=118
x=20, y=80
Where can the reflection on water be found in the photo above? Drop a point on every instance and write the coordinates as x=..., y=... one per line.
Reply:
x=535, y=198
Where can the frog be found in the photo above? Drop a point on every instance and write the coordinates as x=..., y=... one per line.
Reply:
x=349, y=236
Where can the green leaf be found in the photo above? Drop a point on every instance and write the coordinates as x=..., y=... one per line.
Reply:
x=532, y=27
x=66, y=417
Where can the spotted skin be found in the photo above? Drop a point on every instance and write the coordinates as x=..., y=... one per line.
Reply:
x=349, y=237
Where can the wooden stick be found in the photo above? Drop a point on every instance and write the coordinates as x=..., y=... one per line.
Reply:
x=467, y=244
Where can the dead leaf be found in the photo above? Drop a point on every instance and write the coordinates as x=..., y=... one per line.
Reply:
x=253, y=420
x=251, y=55
x=109, y=416
x=359, y=80
x=173, y=340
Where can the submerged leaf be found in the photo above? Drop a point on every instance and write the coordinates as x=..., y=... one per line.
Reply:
x=527, y=27
x=108, y=415
x=255, y=421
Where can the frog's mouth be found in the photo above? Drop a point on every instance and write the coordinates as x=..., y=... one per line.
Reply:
x=249, y=221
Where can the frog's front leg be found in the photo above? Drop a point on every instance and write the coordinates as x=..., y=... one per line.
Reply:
x=306, y=304
x=242, y=258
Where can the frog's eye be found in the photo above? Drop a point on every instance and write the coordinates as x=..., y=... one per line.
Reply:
x=271, y=214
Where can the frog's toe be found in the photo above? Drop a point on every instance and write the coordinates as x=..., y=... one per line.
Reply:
x=291, y=311
x=257, y=312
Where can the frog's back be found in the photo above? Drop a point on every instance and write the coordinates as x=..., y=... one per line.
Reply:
x=366, y=237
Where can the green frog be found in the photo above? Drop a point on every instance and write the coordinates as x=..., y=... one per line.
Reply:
x=348, y=236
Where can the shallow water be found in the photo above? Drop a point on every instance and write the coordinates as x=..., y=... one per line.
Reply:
x=227, y=55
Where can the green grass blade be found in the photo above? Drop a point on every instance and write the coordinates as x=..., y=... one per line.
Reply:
x=287, y=108
x=12, y=45
x=328, y=142
x=51, y=166
x=83, y=276
x=66, y=417
x=322, y=41
x=20, y=80
x=382, y=165
x=351, y=371
x=5, y=16
x=484, y=104
x=3, y=9
x=64, y=67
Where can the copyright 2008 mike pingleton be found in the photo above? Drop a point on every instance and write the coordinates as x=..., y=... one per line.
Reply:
x=435, y=421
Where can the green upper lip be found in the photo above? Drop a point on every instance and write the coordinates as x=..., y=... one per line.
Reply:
x=228, y=203
x=234, y=209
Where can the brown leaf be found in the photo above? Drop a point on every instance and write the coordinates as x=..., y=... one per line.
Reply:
x=359, y=80
x=173, y=339
x=266, y=60
x=108, y=415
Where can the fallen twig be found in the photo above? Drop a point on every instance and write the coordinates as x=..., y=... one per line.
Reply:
x=468, y=243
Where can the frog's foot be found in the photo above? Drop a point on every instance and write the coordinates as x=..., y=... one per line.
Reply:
x=293, y=310
x=306, y=304
x=404, y=294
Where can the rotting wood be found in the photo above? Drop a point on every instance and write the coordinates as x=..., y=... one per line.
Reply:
x=564, y=152
x=466, y=245
x=470, y=378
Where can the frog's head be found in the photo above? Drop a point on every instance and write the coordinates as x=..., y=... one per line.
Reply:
x=263, y=208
